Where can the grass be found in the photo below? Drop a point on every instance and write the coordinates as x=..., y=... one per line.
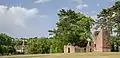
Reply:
x=71, y=55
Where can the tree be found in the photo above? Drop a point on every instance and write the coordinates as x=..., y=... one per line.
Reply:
x=56, y=46
x=39, y=45
x=6, y=42
x=109, y=18
x=5, y=39
x=72, y=27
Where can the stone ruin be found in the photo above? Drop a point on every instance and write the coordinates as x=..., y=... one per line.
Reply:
x=73, y=49
x=100, y=43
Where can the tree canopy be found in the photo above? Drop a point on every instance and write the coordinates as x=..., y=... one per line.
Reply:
x=6, y=44
x=72, y=27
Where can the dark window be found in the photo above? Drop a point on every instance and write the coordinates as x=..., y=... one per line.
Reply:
x=90, y=43
x=95, y=45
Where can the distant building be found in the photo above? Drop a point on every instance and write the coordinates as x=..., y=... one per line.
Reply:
x=73, y=49
x=99, y=43
x=21, y=48
x=102, y=41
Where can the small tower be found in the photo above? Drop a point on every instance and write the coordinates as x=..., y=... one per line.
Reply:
x=102, y=41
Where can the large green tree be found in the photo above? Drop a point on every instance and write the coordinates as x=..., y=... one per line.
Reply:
x=72, y=27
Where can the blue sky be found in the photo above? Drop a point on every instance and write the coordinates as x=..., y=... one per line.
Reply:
x=30, y=18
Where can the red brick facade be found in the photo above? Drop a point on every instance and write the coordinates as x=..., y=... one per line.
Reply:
x=102, y=41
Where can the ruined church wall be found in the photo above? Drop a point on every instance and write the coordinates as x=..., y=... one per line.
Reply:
x=72, y=49
x=106, y=41
x=99, y=42
x=102, y=41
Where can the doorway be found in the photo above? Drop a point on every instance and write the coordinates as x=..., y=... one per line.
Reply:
x=68, y=50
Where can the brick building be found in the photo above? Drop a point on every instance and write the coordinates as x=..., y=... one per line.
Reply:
x=100, y=43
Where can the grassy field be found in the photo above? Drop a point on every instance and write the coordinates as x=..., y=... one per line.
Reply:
x=72, y=55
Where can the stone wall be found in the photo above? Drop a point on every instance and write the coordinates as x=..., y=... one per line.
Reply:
x=79, y=49
x=67, y=47
x=98, y=41
x=106, y=41
x=73, y=49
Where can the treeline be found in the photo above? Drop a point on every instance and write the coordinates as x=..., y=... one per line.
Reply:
x=72, y=27
x=6, y=44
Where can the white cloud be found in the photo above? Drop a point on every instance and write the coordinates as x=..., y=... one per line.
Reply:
x=78, y=1
x=15, y=16
x=98, y=4
x=80, y=6
x=22, y=22
x=41, y=1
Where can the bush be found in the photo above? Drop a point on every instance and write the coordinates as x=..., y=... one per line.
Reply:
x=20, y=53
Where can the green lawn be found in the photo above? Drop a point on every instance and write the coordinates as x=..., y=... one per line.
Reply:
x=72, y=55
